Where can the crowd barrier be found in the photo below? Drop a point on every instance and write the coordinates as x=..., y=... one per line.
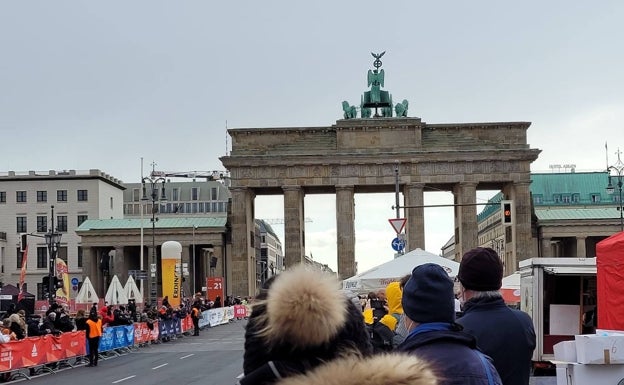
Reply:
x=41, y=351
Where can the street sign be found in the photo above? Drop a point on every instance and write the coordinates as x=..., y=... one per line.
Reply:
x=74, y=281
x=397, y=224
x=398, y=244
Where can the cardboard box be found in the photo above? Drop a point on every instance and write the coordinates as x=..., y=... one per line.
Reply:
x=580, y=374
x=565, y=351
x=598, y=349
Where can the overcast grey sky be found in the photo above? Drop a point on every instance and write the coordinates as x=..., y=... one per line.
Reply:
x=87, y=84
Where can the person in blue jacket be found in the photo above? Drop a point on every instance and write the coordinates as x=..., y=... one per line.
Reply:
x=433, y=335
x=505, y=334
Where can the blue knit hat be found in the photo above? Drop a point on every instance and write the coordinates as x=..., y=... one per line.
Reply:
x=428, y=295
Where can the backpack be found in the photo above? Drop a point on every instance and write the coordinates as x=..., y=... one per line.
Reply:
x=381, y=337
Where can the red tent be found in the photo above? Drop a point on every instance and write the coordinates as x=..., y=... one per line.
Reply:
x=610, y=282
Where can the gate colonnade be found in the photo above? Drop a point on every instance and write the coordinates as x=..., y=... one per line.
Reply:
x=360, y=156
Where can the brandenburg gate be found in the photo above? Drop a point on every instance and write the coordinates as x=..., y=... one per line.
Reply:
x=359, y=155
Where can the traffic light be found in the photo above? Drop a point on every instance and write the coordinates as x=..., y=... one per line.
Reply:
x=45, y=285
x=58, y=283
x=507, y=213
x=23, y=242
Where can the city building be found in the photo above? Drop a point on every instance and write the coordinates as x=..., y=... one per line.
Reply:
x=269, y=252
x=571, y=213
x=26, y=200
x=193, y=213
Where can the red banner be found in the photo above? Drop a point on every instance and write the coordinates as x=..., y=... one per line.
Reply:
x=143, y=334
x=40, y=350
x=240, y=311
x=23, y=274
x=214, y=288
x=187, y=323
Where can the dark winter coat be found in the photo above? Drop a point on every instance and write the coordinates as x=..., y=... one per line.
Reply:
x=505, y=334
x=452, y=355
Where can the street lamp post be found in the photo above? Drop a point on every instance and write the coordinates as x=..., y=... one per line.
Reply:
x=153, y=180
x=53, y=239
x=617, y=171
x=192, y=262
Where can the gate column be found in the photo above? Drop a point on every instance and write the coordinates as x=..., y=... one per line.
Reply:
x=243, y=252
x=345, y=231
x=415, y=230
x=465, y=218
x=293, y=225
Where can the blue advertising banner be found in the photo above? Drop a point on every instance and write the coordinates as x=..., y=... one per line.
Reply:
x=169, y=327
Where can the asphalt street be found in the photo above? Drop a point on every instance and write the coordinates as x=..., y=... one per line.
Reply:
x=213, y=358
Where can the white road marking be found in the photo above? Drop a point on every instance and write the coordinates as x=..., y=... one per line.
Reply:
x=123, y=379
x=160, y=366
x=187, y=356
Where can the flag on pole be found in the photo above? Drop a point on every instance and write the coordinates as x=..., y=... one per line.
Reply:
x=20, y=296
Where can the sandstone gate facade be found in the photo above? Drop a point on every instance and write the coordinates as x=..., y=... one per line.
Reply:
x=359, y=156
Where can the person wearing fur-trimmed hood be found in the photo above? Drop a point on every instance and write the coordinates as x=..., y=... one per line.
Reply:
x=301, y=323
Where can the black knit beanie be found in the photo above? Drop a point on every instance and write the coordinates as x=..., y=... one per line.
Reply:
x=428, y=295
x=481, y=270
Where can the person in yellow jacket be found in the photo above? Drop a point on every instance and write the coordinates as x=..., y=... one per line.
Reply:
x=391, y=310
x=94, y=332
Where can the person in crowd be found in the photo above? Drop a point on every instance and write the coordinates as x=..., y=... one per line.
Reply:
x=217, y=302
x=401, y=330
x=48, y=325
x=18, y=326
x=132, y=309
x=6, y=334
x=65, y=323
x=93, y=308
x=303, y=330
x=81, y=319
x=505, y=334
x=433, y=334
x=195, y=315
x=94, y=324
x=33, y=326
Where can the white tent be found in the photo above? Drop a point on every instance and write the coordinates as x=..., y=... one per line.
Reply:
x=380, y=276
x=87, y=293
x=115, y=295
x=132, y=291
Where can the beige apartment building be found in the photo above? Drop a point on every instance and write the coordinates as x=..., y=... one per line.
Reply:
x=26, y=200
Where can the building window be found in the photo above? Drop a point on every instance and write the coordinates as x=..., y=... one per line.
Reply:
x=566, y=199
x=20, y=196
x=82, y=195
x=79, y=256
x=42, y=223
x=576, y=198
x=111, y=203
x=616, y=198
x=40, y=291
x=22, y=225
x=187, y=209
x=136, y=195
x=62, y=254
x=215, y=209
x=20, y=258
x=61, y=195
x=221, y=207
x=194, y=193
x=2, y=196
x=213, y=193
x=194, y=207
x=175, y=194
x=538, y=199
x=557, y=198
x=61, y=224
x=42, y=196
x=595, y=198
x=208, y=207
x=42, y=257
x=82, y=218
x=201, y=207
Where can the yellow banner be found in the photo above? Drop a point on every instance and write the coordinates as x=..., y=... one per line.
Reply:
x=62, y=273
x=171, y=281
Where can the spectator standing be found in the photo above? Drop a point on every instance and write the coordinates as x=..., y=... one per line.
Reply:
x=81, y=320
x=303, y=330
x=195, y=313
x=433, y=334
x=18, y=326
x=94, y=324
x=505, y=334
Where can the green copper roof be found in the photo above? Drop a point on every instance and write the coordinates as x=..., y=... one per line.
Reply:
x=576, y=213
x=162, y=223
x=579, y=187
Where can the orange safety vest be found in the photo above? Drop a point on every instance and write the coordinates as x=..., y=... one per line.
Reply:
x=95, y=328
x=195, y=312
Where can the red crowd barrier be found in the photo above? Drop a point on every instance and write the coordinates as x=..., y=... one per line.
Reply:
x=143, y=334
x=240, y=311
x=187, y=323
x=34, y=351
